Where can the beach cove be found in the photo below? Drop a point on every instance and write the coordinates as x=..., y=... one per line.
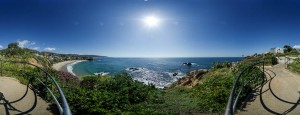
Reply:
x=158, y=71
x=66, y=66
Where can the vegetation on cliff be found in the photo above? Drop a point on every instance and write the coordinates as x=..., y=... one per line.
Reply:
x=45, y=59
x=290, y=51
x=201, y=91
x=295, y=66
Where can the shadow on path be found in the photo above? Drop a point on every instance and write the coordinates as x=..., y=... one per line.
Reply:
x=8, y=104
x=262, y=101
x=265, y=92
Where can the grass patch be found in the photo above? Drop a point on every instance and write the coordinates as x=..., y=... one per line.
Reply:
x=179, y=100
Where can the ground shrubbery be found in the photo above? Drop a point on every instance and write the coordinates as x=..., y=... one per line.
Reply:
x=270, y=60
x=295, y=66
x=120, y=94
x=214, y=92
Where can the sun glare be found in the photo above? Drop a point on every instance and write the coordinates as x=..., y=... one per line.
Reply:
x=151, y=21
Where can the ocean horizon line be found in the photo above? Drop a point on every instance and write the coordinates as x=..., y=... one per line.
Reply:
x=181, y=57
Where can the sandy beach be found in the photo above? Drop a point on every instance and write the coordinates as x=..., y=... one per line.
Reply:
x=62, y=66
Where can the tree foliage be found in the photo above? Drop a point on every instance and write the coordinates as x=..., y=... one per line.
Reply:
x=287, y=48
x=13, y=46
x=13, y=50
x=118, y=94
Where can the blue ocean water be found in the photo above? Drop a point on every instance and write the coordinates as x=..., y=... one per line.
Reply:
x=158, y=71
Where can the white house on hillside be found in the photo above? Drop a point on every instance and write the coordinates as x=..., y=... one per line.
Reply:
x=297, y=47
x=276, y=50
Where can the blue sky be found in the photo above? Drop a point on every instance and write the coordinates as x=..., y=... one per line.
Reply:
x=117, y=28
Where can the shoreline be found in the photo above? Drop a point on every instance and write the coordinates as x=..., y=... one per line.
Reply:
x=64, y=66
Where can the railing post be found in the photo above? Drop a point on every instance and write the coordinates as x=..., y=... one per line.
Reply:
x=228, y=110
x=1, y=62
x=46, y=79
x=23, y=70
x=263, y=72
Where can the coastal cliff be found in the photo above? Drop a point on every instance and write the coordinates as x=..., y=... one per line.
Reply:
x=197, y=77
x=190, y=80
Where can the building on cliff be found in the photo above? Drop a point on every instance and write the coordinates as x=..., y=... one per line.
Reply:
x=276, y=50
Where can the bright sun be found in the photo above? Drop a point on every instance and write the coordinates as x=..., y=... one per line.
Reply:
x=151, y=21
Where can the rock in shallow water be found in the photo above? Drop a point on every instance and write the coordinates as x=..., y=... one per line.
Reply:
x=187, y=64
x=191, y=79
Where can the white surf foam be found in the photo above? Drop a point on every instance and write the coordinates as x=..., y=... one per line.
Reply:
x=101, y=73
x=195, y=64
x=159, y=79
x=70, y=67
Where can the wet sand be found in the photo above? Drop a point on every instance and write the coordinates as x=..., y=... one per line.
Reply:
x=62, y=66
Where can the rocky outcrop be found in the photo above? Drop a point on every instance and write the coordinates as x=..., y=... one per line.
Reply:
x=34, y=62
x=190, y=80
x=39, y=62
x=187, y=64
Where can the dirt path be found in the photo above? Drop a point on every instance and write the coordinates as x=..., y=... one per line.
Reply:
x=280, y=94
x=16, y=99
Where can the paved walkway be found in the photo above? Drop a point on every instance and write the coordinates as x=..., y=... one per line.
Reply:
x=280, y=94
x=15, y=98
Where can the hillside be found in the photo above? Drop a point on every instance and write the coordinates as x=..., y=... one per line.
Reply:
x=200, y=91
x=42, y=59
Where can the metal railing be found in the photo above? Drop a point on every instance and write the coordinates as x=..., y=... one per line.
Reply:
x=63, y=108
x=233, y=97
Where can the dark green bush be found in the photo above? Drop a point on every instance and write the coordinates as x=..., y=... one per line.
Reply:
x=295, y=66
x=218, y=65
x=270, y=60
x=118, y=94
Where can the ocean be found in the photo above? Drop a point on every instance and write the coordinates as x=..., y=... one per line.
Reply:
x=158, y=71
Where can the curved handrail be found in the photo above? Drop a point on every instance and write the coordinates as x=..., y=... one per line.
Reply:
x=64, y=109
x=231, y=104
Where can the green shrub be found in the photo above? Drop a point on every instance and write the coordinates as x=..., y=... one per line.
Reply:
x=295, y=66
x=218, y=65
x=214, y=92
x=270, y=60
x=118, y=94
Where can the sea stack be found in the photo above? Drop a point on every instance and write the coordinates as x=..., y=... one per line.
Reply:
x=187, y=64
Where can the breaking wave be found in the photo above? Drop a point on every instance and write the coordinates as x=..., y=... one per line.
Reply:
x=70, y=67
x=159, y=79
